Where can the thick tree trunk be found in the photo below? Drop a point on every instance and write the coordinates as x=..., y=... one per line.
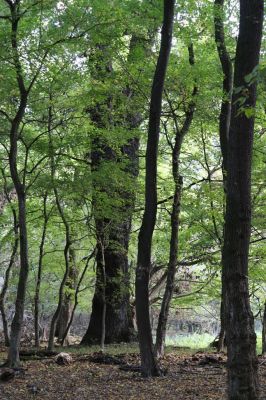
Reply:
x=119, y=319
x=114, y=233
x=241, y=338
x=224, y=125
x=148, y=359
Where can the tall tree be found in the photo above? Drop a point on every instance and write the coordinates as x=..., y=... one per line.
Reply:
x=112, y=229
x=224, y=125
x=180, y=133
x=241, y=338
x=148, y=359
x=15, y=122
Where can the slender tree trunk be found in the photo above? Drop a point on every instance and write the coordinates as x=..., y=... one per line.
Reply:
x=39, y=275
x=170, y=282
x=17, y=322
x=241, y=338
x=63, y=282
x=103, y=321
x=7, y=276
x=264, y=331
x=224, y=125
x=67, y=237
x=92, y=255
x=67, y=304
x=148, y=359
x=173, y=255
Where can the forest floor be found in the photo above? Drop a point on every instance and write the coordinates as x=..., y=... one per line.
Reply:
x=91, y=376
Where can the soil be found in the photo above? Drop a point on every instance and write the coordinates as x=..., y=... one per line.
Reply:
x=201, y=376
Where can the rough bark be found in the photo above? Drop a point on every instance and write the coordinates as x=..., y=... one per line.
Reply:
x=241, y=338
x=224, y=125
x=148, y=360
x=173, y=255
x=118, y=324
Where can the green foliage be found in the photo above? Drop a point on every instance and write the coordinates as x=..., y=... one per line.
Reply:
x=61, y=45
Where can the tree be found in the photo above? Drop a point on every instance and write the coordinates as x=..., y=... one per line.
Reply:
x=115, y=168
x=148, y=360
x=180, y=133
x=264, y=330
x=241, y=338
x=224, y=125
x=13, y=355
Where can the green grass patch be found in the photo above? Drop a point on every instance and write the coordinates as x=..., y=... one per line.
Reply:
x=193, y=341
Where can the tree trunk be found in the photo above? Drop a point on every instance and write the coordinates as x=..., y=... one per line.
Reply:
x=148, y=360
x=17, y=322
x=170, y=283
x=173, y=256
x=264, y=331
x=39, y=276
x=7, y=197
x=64, y=280
x=68, y=297
x=67, y=235
x=241, y=338
x=224, y=125
x=115, y=233
x=119, y=321
x=92, y=255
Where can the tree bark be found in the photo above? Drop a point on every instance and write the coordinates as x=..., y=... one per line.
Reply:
x=118, y=323
x=241, y=338
x=148, y=359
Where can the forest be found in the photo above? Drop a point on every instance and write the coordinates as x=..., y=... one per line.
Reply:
x=132, y=199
